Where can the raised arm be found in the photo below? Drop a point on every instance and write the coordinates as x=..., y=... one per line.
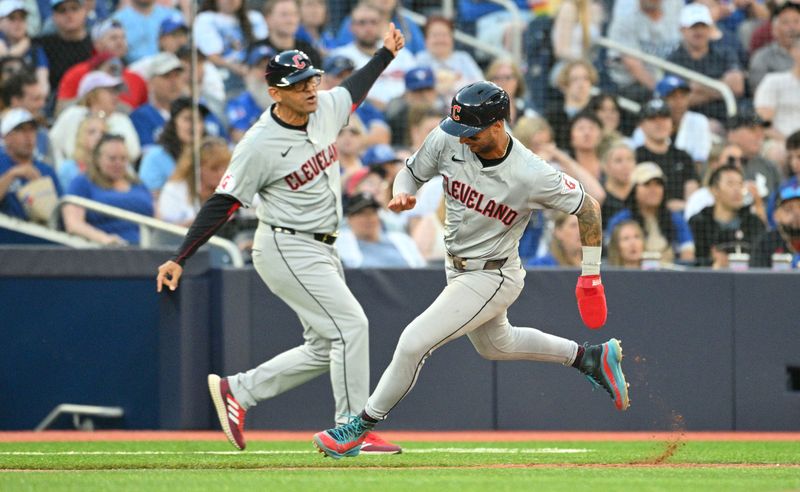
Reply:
x=360, y=82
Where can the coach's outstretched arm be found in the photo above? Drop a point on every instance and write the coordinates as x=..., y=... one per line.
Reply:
x=213, y=215
x=360, y=82
x=589, y=291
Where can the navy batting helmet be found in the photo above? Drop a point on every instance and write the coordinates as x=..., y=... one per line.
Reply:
x=475, y=107
x=289, y=67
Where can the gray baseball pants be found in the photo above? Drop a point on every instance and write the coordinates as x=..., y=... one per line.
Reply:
x=474, y=303
x=308, y=275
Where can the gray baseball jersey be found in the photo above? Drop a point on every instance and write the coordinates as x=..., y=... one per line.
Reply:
x=488, y=208
x=296, y=174
x=487, y=211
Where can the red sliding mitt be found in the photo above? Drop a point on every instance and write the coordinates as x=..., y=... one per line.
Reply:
x=591, y=300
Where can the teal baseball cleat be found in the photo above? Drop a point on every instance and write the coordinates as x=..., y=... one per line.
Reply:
x=344, y=440
x=602, y=365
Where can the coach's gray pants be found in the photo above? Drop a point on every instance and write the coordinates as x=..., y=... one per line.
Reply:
x=308, y=276
x=473, y=303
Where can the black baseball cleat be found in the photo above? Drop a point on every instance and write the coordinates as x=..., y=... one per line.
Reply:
x=602, y=365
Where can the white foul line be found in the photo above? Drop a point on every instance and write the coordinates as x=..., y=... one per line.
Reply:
x=279, y=452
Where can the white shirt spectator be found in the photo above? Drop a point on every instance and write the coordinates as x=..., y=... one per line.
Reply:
x=174, y=205
x=391, y=82
x=218, y=34
x=65, y=130
x=636, y=30
x=459, y=63
x=781, y=92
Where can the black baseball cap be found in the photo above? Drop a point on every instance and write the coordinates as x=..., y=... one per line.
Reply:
x=745, y=117
x=654, y=108
x=359, y=202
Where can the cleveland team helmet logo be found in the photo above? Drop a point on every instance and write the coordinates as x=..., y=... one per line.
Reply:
x=297, y=61
x=456, y=110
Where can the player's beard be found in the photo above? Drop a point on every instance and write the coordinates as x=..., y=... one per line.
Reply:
x=259, y=89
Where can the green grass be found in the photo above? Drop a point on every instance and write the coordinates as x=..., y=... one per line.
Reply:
x=485, y=467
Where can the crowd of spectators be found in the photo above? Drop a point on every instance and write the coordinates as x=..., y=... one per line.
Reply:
x=97, y=102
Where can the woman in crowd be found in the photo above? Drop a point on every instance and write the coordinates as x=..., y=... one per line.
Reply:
x=617, y=122
x=537, y=135
x=618, y=162
x=313, y=26
x=585, y=137
x=665, y=232
x=507, y=74
x=108, y=180
x=180, y=200
x=576, y=25
x=98, y=93
x=453, y=68
x=89, y=133
x=158, y=163
x=575, y=82
x=626, y=247
x=224, y=30
x=565, y=245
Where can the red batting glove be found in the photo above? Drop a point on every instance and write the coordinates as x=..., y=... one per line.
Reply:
x=591, y=301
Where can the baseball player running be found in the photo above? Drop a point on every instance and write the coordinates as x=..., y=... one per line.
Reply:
x=289, y=158
x=491, y=184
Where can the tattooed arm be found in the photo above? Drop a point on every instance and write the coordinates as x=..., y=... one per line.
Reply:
x=590, y=223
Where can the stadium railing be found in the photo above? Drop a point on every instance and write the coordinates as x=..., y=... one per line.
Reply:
x=148, y=225
x=717, y=85
x=45, y=234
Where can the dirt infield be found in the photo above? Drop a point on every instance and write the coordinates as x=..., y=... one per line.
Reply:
x=445, y=436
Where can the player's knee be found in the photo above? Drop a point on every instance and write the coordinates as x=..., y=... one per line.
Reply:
x=355, y=325
x=410, y=348
x=488, y=352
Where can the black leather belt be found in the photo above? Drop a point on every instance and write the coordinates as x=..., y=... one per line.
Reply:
x=461, y=263
x=318, y=236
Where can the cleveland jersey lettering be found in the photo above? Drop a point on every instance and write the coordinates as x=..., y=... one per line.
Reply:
x=491, y=206
x=313, y=167
x=295, y=171
x=473, y=199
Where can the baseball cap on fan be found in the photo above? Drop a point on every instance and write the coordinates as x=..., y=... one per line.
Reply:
x=56, y=3
x=164, y=63
x=172, y=24
x=8, y=7
x=670, y=84
x=98, y=80
x=787, y=193
x=259, y=53
x=379, y=154
x=696, y=13
x=645, y=172
x=420, y=78
x=102, y=28
x=360, y=202
x=338, y=64
x=13, y=119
